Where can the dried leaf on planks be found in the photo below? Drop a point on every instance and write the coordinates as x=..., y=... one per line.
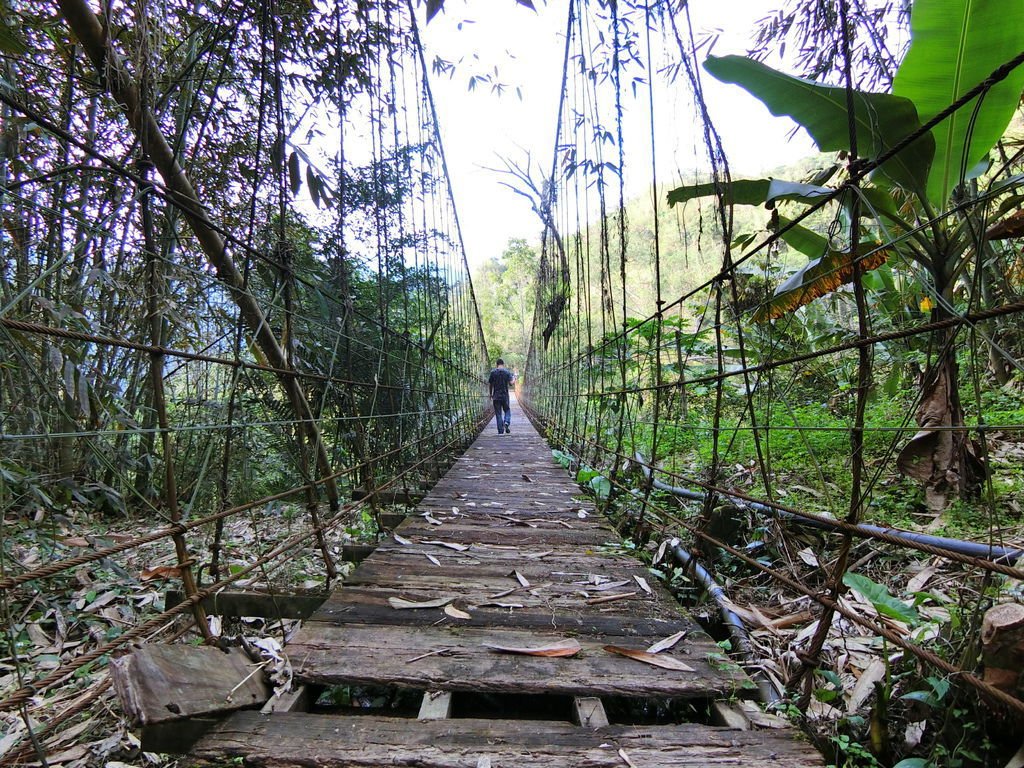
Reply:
x=668, y=642
x=567, y=647
x=450, y=544
x=455, y=613
x=401, y=605
x=654, y=659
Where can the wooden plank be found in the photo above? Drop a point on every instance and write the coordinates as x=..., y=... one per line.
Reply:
x=437, y=705
x=588, y=712
x=369, y=606
x=488, y=605
x=157, y=683
x=297, y=741
x=458, y=659
x=283, y=605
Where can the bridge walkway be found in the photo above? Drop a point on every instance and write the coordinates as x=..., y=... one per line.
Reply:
x=504, y=608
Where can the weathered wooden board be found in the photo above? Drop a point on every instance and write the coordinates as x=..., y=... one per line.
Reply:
x=358, y=605
x=157, y=683
x=497, y=598
x=296, y=741
x=458, y=659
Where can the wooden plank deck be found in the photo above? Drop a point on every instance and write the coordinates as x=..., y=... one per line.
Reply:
x=507, y=539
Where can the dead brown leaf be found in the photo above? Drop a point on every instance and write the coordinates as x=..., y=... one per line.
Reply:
x=455, y=613
x=450, y=544
x=655, y=660
x=161, y=572
x=668, y=642
x=401, y=605
x=567, y=647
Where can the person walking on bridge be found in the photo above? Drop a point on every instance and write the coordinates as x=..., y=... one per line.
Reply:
x=498, y=382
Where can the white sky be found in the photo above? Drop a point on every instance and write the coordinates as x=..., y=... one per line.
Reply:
x=528, y=48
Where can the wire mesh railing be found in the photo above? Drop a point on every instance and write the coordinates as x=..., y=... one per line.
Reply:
x=719, y=374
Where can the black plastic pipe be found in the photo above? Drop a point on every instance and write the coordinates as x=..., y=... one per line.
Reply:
x=1008, y=555
x=737, y=629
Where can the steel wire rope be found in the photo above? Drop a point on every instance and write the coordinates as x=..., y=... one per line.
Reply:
x=856, y=529
x=1007, y=700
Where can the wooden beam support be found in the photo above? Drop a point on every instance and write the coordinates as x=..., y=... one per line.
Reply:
x=298, y=700
x=288, y=605
x=729, y=716
x=588, y=712
x=437, y=705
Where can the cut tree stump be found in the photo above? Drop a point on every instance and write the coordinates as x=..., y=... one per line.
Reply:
x=1002, y=642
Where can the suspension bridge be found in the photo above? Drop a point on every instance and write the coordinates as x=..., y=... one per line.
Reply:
x=244, y=405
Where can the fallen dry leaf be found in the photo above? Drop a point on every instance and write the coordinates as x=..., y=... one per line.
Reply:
x=668, y=642
x=161, y=572
x=432, y=520
x=604, y=587
x=527, y=478
x=625, y=758
x=400, y=605
x=450, y=544
x=643, y=584
x=432, y=559
x=75, y=541
x=655, y=660
x=455, y=613
x=567, y=647
x=401, y=540
x=610, y=598
x=520, y=578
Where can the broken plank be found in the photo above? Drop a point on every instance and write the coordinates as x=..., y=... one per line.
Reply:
x=158, y=683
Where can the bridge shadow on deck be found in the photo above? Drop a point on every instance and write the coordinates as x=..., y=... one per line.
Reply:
x=505, y=552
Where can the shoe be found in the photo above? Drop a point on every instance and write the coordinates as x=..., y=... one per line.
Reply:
x=508, y=430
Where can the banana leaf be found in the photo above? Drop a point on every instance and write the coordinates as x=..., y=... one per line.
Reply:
x=815, y=279
x=881, y=119
x=956, y=44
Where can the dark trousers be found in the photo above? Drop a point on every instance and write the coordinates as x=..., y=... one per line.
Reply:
x=501, y=406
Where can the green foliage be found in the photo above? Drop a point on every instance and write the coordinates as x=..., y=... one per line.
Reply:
x=878, y=595
x=956, y=44
x=882, y=119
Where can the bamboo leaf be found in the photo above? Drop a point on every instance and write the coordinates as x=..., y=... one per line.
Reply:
x=654, y=659
x=10, y=42
x=314, y=188
x=954, y=45
x=294, y=173
x=568, y=647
